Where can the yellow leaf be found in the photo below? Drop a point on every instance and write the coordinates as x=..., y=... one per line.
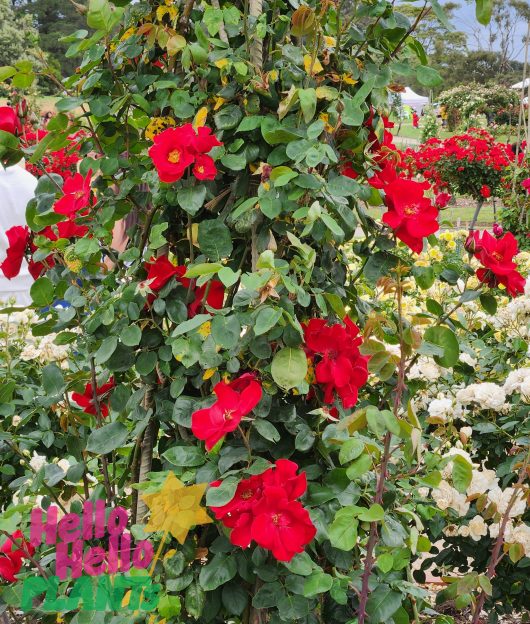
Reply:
x=200, y=118
x=312, y=67
x=221, y=63
x=210, y=372
x=348, y=79
x=166, y=10
x=175, y=44
x=176, y=508
x=205, y=330
x=219, y=101
x=126, y=599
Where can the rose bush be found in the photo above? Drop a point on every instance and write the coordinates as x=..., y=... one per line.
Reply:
x=246, y=341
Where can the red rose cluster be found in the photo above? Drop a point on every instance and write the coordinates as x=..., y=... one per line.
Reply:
x=496, y=256
x=176, y=149
x=265, y=509
x=235, y=400
x=340, y=367
x=11, y=555
x=410, y=214
x=86, y=400
x=161, y=270
x=475, y=152
x=63, y=161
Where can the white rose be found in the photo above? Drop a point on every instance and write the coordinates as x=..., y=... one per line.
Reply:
x=16, y=420
x=482, y=481
x=521, y=535
x=64, y=464
x=37, y=462
x=502, y=499
x=464, y=531
x=477, y=528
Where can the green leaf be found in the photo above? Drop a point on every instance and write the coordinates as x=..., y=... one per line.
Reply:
x=379, y=264
x=226, y=331
x=7, y=72
x=428, y=77
x=106, y=349
x=289, y=367
x=234, y=597
x=382, y=604
x=350, y=450
x=168, y=606
x=374, y=514
x=53, y=382
x=424, y=276
x=214, y=239
x=489, y=303
x=300, y=564
x=146, y=362
x=267, y=430
x=221, y=569
x=131, y=335
x=359, y=467
x=385, y=562
x=462, y=473
x=266, y=319
x=42, y=291
x=103, y=15
x=184, y=456
x=191, y=199
x=445, y=338
x=483, y=11
x=343, y=530
x=222, y=494
x=317, y=583
x=107, y=438
x=228, y=277
x=308, y=103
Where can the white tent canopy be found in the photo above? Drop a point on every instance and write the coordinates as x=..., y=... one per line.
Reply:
x=521, y=85
x=412, y=99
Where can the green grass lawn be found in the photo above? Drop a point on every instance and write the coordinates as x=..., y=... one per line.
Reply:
x=463, y=211
x=407, y=131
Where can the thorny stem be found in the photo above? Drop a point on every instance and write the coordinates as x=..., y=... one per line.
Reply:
x=99, y=415
x=22, y=546
x=496, y=552
x=380, y=489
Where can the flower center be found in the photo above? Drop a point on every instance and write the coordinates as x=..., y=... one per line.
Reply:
x=228, y=414
x=247, y=494
x=276, y=518
x=79, y=194
x=497, y=256
x=410, y=210
x=174, y=156
x=200, y=169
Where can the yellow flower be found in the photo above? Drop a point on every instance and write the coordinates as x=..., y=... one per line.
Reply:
x=221, y=63
x=451, y=245
x=205, y=329
x=330, y=42
x=200, y=117
x=273, y=75
x=312, y=67
x=176, y=508
x=422, y=262
x=158, y=125
x=435, y=254
x=348, y=79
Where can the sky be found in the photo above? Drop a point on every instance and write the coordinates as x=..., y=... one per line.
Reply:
x=466, y=21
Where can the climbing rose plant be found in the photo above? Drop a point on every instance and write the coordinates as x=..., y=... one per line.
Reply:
x=236, y=346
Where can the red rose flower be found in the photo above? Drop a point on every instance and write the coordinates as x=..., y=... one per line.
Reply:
x=9, y=121
x=349, y=171
x=76, y=196
x=161, y=270
x=281, y=525
x=12, y=552
x=496, y=256
x=442, y=199
x=485, y=191
x=86, y=400
x=411, y=215
x=204, y=168
x=175, y=149
x=340, y=368
x=234, y=401
x=18, y=238
x=264, y=509
x=526, y=185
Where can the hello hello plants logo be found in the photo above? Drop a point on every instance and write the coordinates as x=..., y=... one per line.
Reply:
x=116, y=576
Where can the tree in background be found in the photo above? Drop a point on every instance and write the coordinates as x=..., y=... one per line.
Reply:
x=54, y=19
x=17, y=35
